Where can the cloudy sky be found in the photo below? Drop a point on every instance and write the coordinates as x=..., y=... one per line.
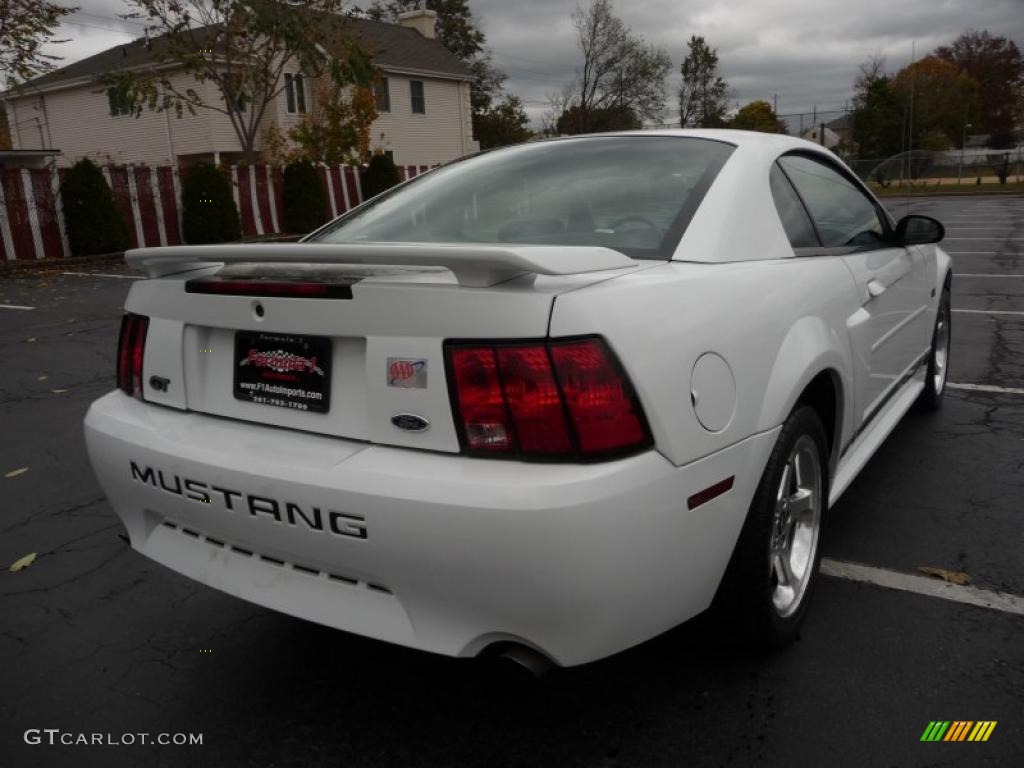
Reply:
x=804, y=51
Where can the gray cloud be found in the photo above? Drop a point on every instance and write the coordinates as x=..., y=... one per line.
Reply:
x=805, y=51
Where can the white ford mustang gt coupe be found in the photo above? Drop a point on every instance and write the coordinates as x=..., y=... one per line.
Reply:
x=555, y=398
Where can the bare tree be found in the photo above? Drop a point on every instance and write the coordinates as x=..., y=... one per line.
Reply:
x=243, y=48
x=25, y=27
x=619, y=71
x=704, y=93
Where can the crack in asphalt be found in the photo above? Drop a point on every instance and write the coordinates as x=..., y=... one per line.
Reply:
x=63, y=582
x=69, y=510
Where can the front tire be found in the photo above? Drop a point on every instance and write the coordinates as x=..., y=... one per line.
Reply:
x=930, y=398
x=764, y=595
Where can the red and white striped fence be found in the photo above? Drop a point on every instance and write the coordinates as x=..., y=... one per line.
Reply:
x=32, y=221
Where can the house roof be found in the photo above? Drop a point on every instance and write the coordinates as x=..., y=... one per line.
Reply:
x=401, y=47
x=842, y=123
x=392, y=46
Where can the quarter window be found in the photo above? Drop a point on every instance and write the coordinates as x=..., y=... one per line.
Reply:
x=794, y=216
x=382, y=95
x=843, y=215
x=419, y=101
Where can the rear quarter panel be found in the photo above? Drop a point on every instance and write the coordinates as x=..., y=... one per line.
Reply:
x=777, y=323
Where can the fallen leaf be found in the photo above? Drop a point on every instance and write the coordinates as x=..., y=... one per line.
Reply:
x=16, y=472
x=23, y=563
x=58, y=391
x=953, y=577
x=30, y=339
x=44, y=377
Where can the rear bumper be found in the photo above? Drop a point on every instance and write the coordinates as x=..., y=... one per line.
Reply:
x=578, y=561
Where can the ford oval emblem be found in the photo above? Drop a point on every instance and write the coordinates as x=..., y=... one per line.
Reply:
x=410, y=422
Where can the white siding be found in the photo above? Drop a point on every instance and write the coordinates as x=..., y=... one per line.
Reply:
x=80, y=125
x=444, y=133
x=78, y=122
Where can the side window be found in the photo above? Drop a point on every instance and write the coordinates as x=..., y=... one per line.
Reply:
x=842, y=213
x=295, y=93
x=382, y=94
x=792, y=212
x=419, y=101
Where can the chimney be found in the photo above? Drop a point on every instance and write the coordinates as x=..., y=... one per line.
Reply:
x=421, y=20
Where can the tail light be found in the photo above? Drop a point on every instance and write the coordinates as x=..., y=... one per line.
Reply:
x=131, y=347
x=555, y=400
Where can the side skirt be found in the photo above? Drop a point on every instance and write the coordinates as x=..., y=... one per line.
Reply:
x=860, y=451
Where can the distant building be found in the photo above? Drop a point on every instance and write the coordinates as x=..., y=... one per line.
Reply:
x=832, y=139
x=423, y=104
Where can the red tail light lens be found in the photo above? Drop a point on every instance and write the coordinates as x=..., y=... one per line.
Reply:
x=485, y=419
x=600, y=401
x=533, y=401
x=557, y=400
x=131, y=347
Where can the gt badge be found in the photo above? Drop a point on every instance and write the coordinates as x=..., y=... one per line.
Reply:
x=407, y=373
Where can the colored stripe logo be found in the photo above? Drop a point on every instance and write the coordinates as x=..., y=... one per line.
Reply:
x=958, y=730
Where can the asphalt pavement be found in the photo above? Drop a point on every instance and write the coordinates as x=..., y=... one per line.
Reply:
x=96, y=639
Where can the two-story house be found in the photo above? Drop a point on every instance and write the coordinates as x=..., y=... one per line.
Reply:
x=423, y=104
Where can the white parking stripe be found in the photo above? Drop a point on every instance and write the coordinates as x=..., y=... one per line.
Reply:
x=921, y=585
x=986, y=388
x=102, y=274
x=990, y=311
x=14, y=306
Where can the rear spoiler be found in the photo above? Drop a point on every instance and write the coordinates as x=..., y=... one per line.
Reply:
x=473, y=265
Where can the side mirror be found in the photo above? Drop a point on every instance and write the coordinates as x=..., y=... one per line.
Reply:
x=918, y=230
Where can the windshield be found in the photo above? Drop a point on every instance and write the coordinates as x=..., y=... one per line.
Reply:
x=635, y=194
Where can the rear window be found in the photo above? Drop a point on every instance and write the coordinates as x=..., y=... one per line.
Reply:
x=635, y=194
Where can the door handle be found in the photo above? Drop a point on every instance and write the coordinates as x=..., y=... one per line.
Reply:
x=875, y=288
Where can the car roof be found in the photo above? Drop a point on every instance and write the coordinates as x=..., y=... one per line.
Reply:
x=777, y=141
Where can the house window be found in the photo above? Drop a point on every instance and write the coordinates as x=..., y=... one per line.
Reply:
x=295, y=93
x=120, y=102
x=419, y=101
x=382, y=94
x=234, y=85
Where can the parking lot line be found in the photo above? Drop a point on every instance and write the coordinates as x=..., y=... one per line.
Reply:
x=986, y=388
x=921, y=585
x=990, y=311
x=14, y=306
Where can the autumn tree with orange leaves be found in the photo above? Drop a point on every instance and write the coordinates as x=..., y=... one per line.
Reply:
x=941, y=99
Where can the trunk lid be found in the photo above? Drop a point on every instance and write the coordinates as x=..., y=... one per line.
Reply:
x=378, y=355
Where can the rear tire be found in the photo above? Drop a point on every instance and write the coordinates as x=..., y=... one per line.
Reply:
x=930, y=398
x=764, y=595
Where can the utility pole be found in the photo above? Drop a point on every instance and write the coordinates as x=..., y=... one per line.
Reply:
x=963, y=141
x=775, y=104
x=910, y=133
